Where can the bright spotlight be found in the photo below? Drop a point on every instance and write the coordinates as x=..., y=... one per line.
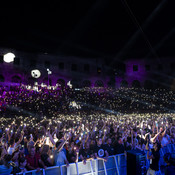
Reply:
x=35, y=73
x=69, y=84
x=49, y=71
x=9, y=57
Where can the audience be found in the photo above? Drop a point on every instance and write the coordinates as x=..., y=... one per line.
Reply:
x=48, y=127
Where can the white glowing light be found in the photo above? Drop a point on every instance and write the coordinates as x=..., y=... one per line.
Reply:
x=55, y=140
x=49, y=71
x=69, y=84
x=35, y=73
x=74, y=105
x=9, y=57
x=35, y=88
x=47, y=140
x=28, y=87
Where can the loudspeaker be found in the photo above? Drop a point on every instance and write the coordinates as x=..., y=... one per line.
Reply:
x=136, y=162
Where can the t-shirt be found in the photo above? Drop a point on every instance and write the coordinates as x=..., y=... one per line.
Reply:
x=119, y=148
x=71, y=156
x=11, y=149
x=127, y=146
x=86, y=153
x=60, y=157
x=44, y=158
x=164, y=141
x=110, y=149
x=154, y=163
x=33, y=161
x=100, y=150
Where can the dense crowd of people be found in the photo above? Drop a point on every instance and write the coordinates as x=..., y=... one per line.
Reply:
x=123, y=100
x=44, y=127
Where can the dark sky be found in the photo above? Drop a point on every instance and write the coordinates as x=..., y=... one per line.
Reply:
x=115, y=29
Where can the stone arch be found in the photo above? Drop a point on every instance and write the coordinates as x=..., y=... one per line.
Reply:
x=136, y=84
x=124, y=84
x=16, y=79
x=75, y=83
x=86, y=83
x=61, y=82
x=111, y=83
x=99, y=83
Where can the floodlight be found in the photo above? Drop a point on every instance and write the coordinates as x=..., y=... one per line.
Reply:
x=35, y=73
x=9, y=57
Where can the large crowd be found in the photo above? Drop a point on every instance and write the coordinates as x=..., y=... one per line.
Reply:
x=43, y=127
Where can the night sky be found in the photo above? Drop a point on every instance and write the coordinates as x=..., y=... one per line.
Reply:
x=115, y=29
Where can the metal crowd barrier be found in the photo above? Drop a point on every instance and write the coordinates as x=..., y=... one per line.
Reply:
x=115, y=165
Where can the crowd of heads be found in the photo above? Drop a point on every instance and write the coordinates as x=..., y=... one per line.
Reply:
x=43, y=127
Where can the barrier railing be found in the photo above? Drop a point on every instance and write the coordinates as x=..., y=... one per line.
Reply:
x=115, y=165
